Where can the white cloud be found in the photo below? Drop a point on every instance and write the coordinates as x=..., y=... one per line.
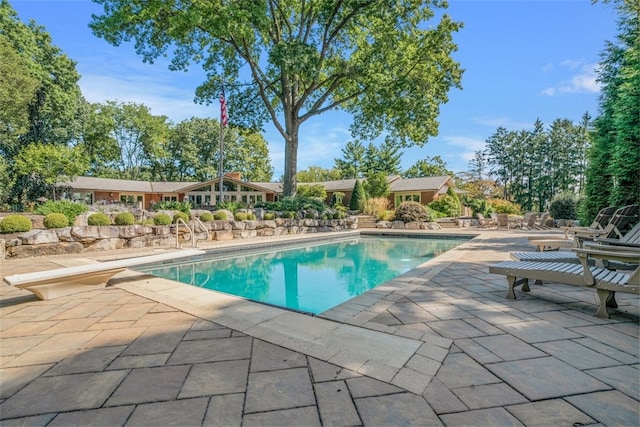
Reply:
x=585, y=81
x=469, y=145
x=505, y=122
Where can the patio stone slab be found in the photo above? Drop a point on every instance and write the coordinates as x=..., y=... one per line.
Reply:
x=508, y=347
x=115, y=416
x=322, y=371
x=481, y=417
x=185, y=412
x=266, y=356
x=335, y=404
x=13, y=379
x=455, y=329
x=156, y=339
x=214, y=350
x=487, y=396
x=149, y=385
x=459, y=370
x=403, y=409
x=611, y=408
x=62, y=393
x=207, y=379
x=441, y=399
x=283, y=389
x=556, y=412
x=545, y=378
x=224, y=410
x=538, y=331
x=365, y=386
x=307, y=417
x=576, y=355
x=624, y=378
x=86, y=360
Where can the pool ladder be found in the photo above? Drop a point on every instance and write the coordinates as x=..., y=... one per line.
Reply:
x=194, y=241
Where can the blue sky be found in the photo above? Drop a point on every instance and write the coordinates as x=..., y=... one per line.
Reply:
x=523, y=59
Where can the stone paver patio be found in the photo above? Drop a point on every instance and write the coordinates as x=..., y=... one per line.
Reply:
x=439, y=345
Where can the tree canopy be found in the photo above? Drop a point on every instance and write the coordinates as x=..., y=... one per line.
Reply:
x=613, y=172
x=388, y=63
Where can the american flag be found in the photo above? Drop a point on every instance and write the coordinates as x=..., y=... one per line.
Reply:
x=224, y=115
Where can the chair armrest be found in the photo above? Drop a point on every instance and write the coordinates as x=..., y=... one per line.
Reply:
x=615, y=242
x=625, y=256
x=617, y=247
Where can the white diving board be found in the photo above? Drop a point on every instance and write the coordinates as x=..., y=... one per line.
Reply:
x=59, y=282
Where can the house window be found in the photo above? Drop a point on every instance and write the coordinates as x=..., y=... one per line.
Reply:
x=407, y=197
x=130, y=199
x=170, y=198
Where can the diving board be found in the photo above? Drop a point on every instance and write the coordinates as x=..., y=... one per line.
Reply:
x=59, y=282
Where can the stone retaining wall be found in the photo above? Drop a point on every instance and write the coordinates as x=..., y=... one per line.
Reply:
x=78, y=239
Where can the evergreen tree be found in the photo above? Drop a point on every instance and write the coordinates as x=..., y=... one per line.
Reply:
x=358, y=197
x=613, y=173
x=350, y=166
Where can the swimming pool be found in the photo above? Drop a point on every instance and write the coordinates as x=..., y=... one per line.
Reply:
x=311, y=278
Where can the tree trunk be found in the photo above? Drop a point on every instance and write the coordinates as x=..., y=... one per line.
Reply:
x=290, y=184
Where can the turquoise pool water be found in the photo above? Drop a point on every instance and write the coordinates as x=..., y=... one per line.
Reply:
x=313, y=278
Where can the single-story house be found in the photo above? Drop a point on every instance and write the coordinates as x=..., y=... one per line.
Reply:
x=423, y=190
x=145, y=193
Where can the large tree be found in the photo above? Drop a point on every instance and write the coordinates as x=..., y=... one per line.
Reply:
x=613, y=172
x=388, y=62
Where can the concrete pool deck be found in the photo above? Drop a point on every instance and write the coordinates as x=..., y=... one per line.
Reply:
x=439, y=345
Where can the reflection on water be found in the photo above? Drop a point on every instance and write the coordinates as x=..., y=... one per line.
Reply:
x=311, y=279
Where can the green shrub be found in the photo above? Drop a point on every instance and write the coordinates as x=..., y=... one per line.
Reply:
x=173, y=206
x=180, y=215
x=312, y=190
x=294, y=204
x=376, y=206
x=411, y=211
x=15, y=224
x=504, y=206
x=446, y=204
x=229, y=205
x=339, y=215
x=220, y=216
x=289, y=214
x=310, y=215
x=98, y=218
x=206, y=216
x=69, y=209
x=564, y=206
x=124, y=218
x=162, y=219
x=251, y=216
x=56, y=220
x=269, y=216
x=240, y=216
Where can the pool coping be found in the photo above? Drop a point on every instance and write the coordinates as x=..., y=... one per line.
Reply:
x=338, y=336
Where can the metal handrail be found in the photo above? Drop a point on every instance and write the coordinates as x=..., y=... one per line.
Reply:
x=180, y=220
x=194, y=242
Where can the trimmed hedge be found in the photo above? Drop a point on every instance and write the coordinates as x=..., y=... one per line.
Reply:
x=56, y=220
x=15, y=224
x=206, y=216
x=180, y=215
x=162, y=219
x=240, y=216
x=124, y=218
x=220, y=216
x=99, y=219
x=70, y=209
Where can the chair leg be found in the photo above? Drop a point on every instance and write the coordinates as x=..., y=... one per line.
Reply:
x=603, y=297
x=510, y=293
x=611, y=301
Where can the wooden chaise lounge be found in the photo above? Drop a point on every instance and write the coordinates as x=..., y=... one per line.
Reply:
x=606, y=282
x=59, y=282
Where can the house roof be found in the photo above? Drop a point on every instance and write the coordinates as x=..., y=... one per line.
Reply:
x=345, y=184
x=437, y=183
x=124, y=185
